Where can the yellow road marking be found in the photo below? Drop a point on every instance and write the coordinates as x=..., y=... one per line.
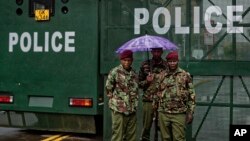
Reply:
x=61, y=138
x=51, y=138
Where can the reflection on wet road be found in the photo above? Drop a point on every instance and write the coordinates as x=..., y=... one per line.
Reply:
x=16, y=134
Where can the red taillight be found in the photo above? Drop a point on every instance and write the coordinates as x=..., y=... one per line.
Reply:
x=81, y=102
x=6, y=99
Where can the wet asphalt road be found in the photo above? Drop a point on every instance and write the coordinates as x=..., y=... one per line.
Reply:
x=16, y=134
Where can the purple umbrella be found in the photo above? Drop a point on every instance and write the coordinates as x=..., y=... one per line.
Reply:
x=146, y=43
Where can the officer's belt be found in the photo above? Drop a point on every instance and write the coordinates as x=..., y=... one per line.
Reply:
x=145, y=100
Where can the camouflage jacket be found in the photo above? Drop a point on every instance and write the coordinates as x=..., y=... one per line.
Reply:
x=176, y=92
x=149, y=89
x=122, y=90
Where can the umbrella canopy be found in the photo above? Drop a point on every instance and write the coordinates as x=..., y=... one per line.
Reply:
x=146, y=43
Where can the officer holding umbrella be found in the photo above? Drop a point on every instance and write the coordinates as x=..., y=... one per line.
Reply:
x=148, y=69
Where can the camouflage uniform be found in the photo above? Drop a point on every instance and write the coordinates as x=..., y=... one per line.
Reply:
x=122, y=90
x=148, y=91
x=176, y=98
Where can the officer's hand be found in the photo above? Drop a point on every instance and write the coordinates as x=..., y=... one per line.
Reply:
x=150, y=78
x=146, y=68
x=109, y=95
x=189, y=118
x=155, y=107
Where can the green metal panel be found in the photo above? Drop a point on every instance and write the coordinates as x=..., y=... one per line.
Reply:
x=58, y=74
x=219, y=63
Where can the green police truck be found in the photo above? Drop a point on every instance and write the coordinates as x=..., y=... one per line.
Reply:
x=50, y=76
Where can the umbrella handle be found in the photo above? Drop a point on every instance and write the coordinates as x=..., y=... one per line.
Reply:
x=151, y=67
x=149, y=62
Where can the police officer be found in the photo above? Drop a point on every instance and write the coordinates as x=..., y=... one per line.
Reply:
x=148, y=70
x=177, y=100
x=122, y=91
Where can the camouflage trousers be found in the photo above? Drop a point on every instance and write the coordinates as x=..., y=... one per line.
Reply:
x=172, y=126
x=123, y=127
x=148, y=115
